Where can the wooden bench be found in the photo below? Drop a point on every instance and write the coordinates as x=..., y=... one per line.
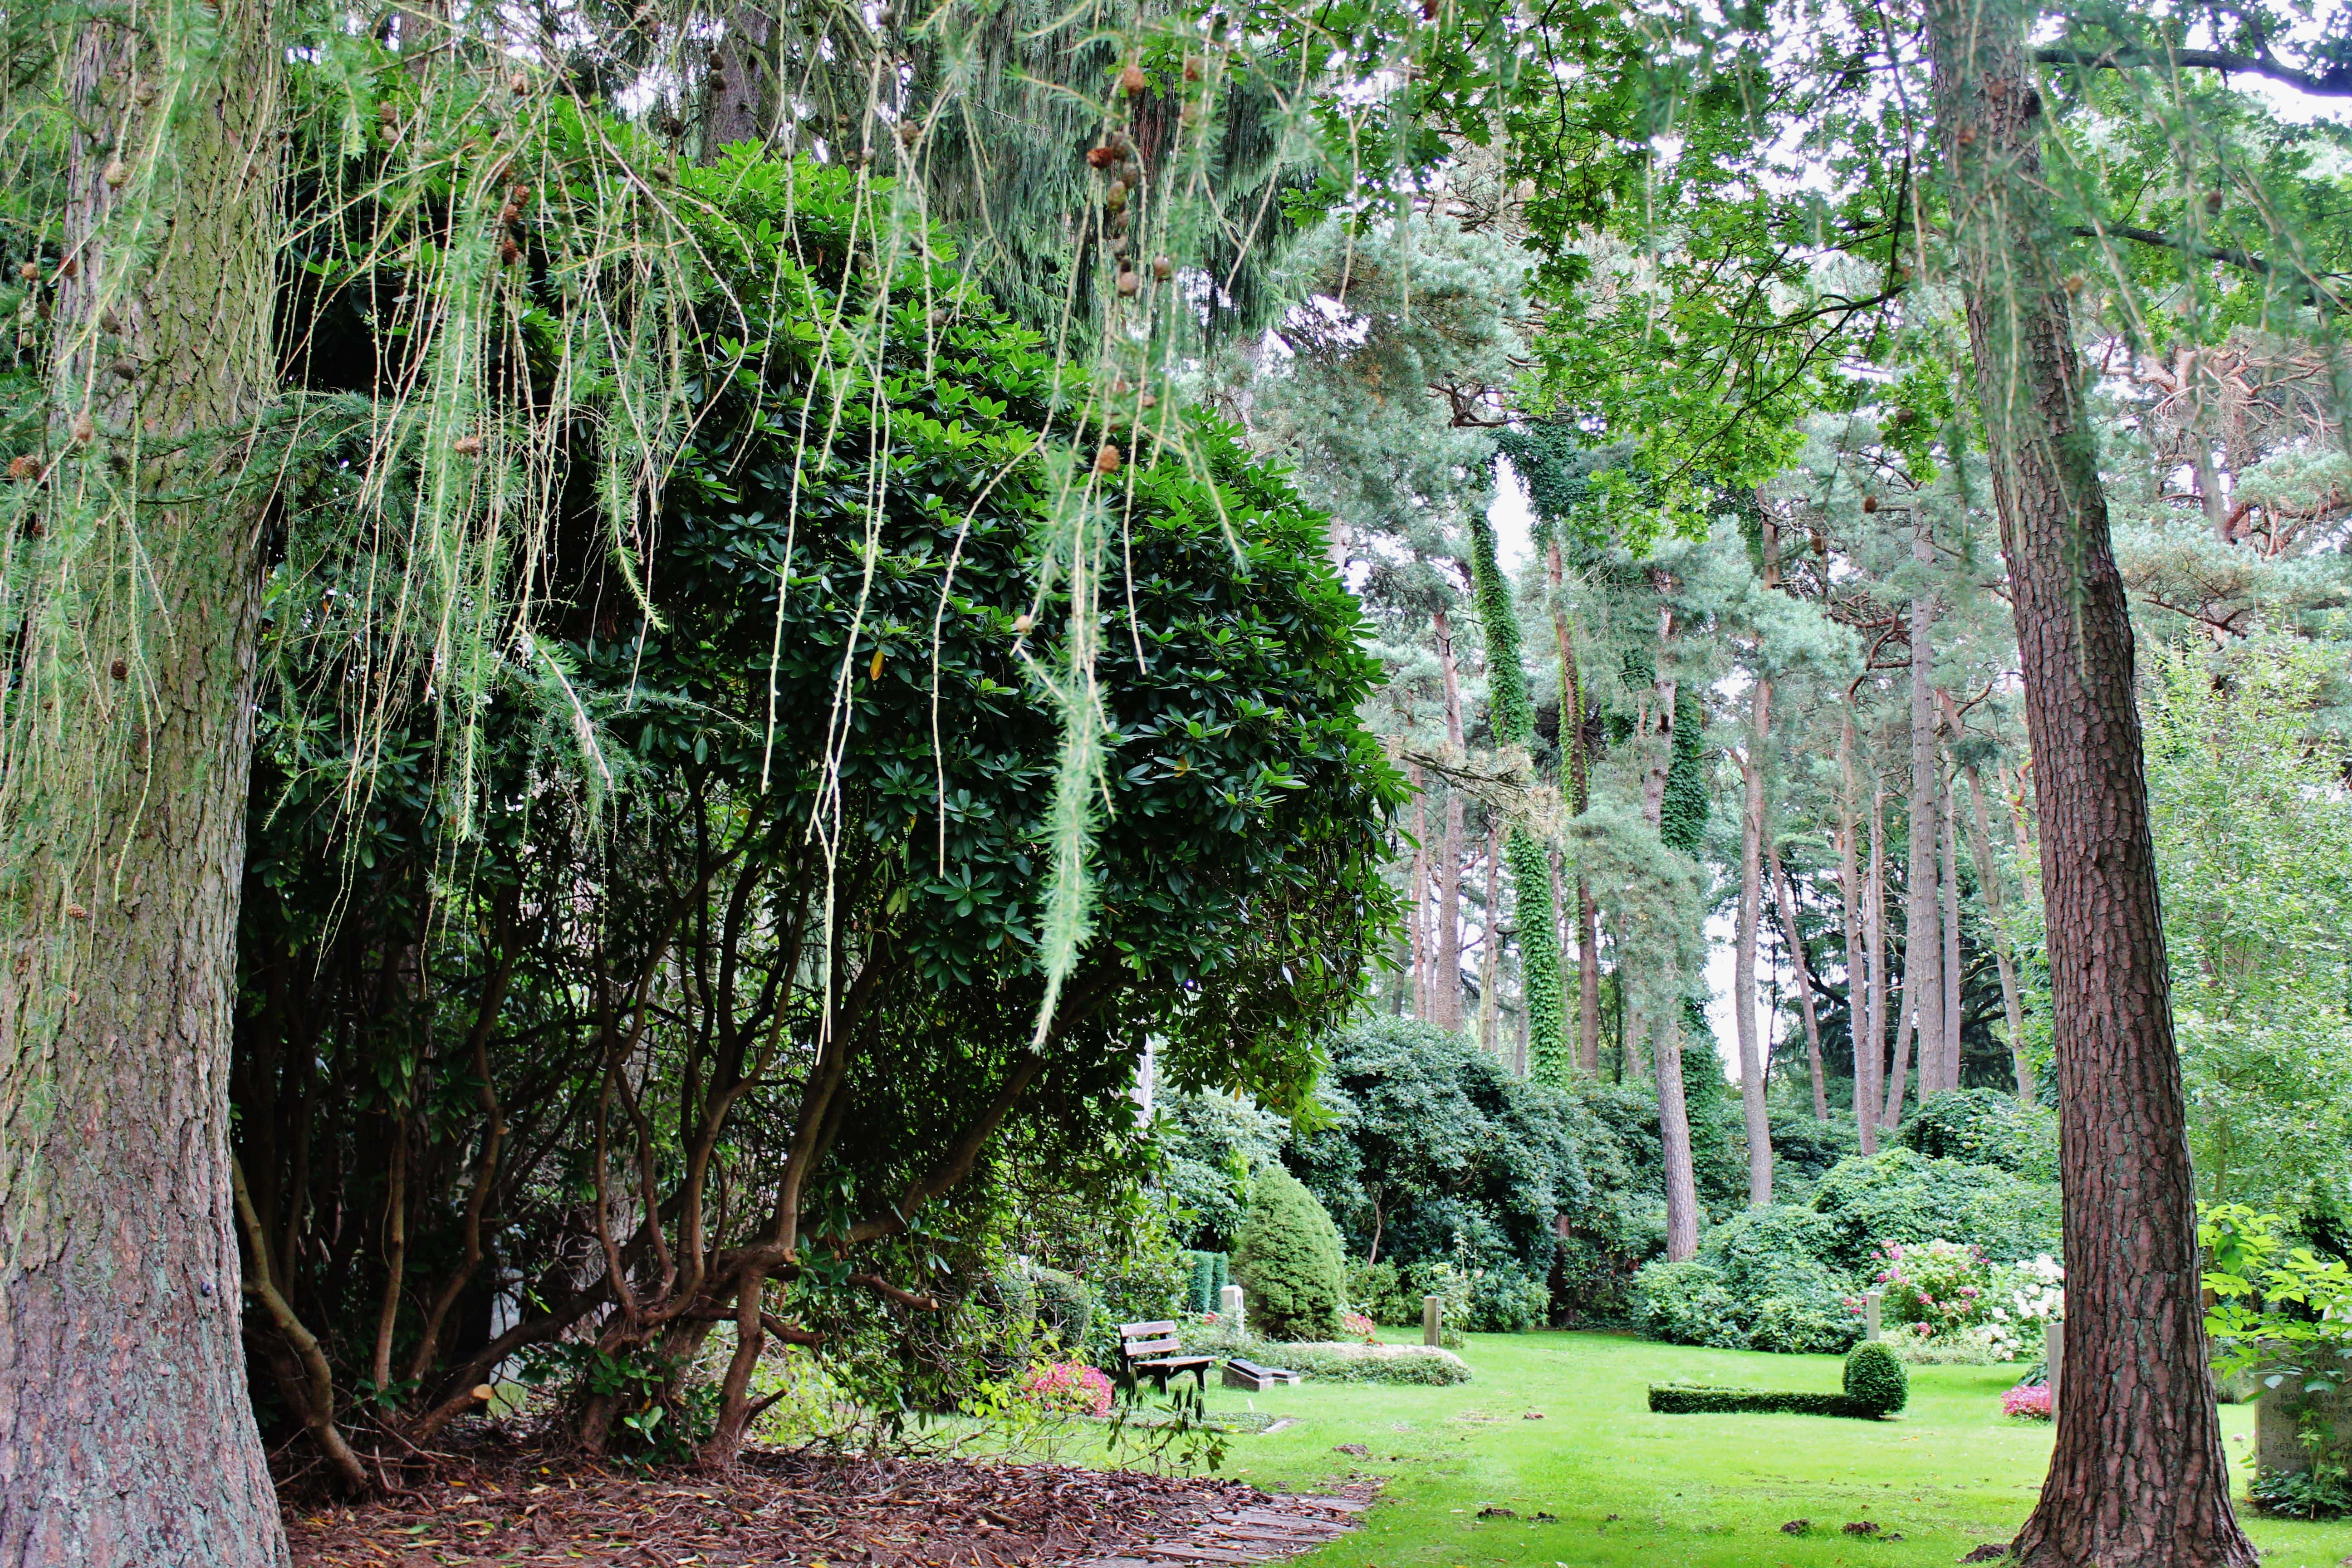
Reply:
x=1152, y=1350
x=1240, y=1373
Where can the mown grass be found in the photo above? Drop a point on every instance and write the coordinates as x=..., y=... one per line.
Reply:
x=1663, y=1492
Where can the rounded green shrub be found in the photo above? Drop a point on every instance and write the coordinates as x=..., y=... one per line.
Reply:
x=1066, y=1305
x=1007, y=1296
x=1875, y=1381
x=1287, y=1260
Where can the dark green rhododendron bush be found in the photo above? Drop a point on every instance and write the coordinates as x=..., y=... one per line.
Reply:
x=755, y=993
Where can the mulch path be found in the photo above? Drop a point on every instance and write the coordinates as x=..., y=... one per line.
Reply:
x=801, y=1510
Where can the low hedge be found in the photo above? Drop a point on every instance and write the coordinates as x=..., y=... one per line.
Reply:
x=1690, y=1399
x=1875, y=1386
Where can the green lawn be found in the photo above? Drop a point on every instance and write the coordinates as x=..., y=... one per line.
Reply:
x=1630, y=1487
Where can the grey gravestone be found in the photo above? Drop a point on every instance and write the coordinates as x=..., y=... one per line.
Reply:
x=1871, y=1301
x=1433, y=1310
x=1229, y=1306
x=2280, y=1418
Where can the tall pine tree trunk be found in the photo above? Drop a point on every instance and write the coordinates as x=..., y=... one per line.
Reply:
x=1417, y=901
x=1750, y=921
x=1923, y=942
x=126, y=1434
x=2137, y=1477
x=1950, y=882
x=1988, y=884
x=1889, y=1094
x=1445, y=994
x=1786, y=899
x=1862, y=1031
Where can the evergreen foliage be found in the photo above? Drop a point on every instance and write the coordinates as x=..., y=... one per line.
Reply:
x=1545, y=997
x=1875, y=1380
x=1287, y=1260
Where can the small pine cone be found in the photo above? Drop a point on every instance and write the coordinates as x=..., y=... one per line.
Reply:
x=1162, y=269
x=518, y=84
x=1870, y=504
x=1106, y=460
x=466, y=445
x=24, y=468
x=120, y=669
x=30, y=271
x=118, y=175
x=1128, y=283
x=85, y=430
x=1132, y=80
x=509, y=251
x=1101, y=157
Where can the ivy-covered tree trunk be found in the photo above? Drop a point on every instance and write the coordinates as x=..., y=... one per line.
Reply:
x=1676, y=807
x=126, y=1434
x=1749, y=928
x=2138, y=1477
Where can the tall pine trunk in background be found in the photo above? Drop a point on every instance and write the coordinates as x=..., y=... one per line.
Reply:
x=126, y=1434
x=1884, y=1061
x=1862, y=1031
x=1786, y=901
x=1950, y=880
x=1417, y=898
x=2137, y=1477
x=1446, y=983
x=1750, y=921
x=1988, y=884
x=1923, y=941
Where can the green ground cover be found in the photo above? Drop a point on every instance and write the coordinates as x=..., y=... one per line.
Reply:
x=1663, y=1492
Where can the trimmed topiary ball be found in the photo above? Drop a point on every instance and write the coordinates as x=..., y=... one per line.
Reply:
x=1287, y=1258
x=1875, y=1381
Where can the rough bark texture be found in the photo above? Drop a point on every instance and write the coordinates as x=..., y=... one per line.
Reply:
x=126, y=1434
x=2138, y=1477
x=737, y=104
x=1751, y=919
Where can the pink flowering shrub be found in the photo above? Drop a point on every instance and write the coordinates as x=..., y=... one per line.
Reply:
x=1067, y=1388
x=2030, y=1400
x=1941, y=1287
x=1357, y=1326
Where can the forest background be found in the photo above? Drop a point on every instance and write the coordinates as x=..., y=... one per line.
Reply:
x=652, y=653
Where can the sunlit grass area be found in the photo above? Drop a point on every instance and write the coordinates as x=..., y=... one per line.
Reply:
x=1627, y=1487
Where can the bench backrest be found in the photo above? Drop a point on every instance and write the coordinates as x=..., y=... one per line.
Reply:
x=1140, y=1342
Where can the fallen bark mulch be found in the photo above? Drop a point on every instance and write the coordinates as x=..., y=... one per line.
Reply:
x=772, y=1509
